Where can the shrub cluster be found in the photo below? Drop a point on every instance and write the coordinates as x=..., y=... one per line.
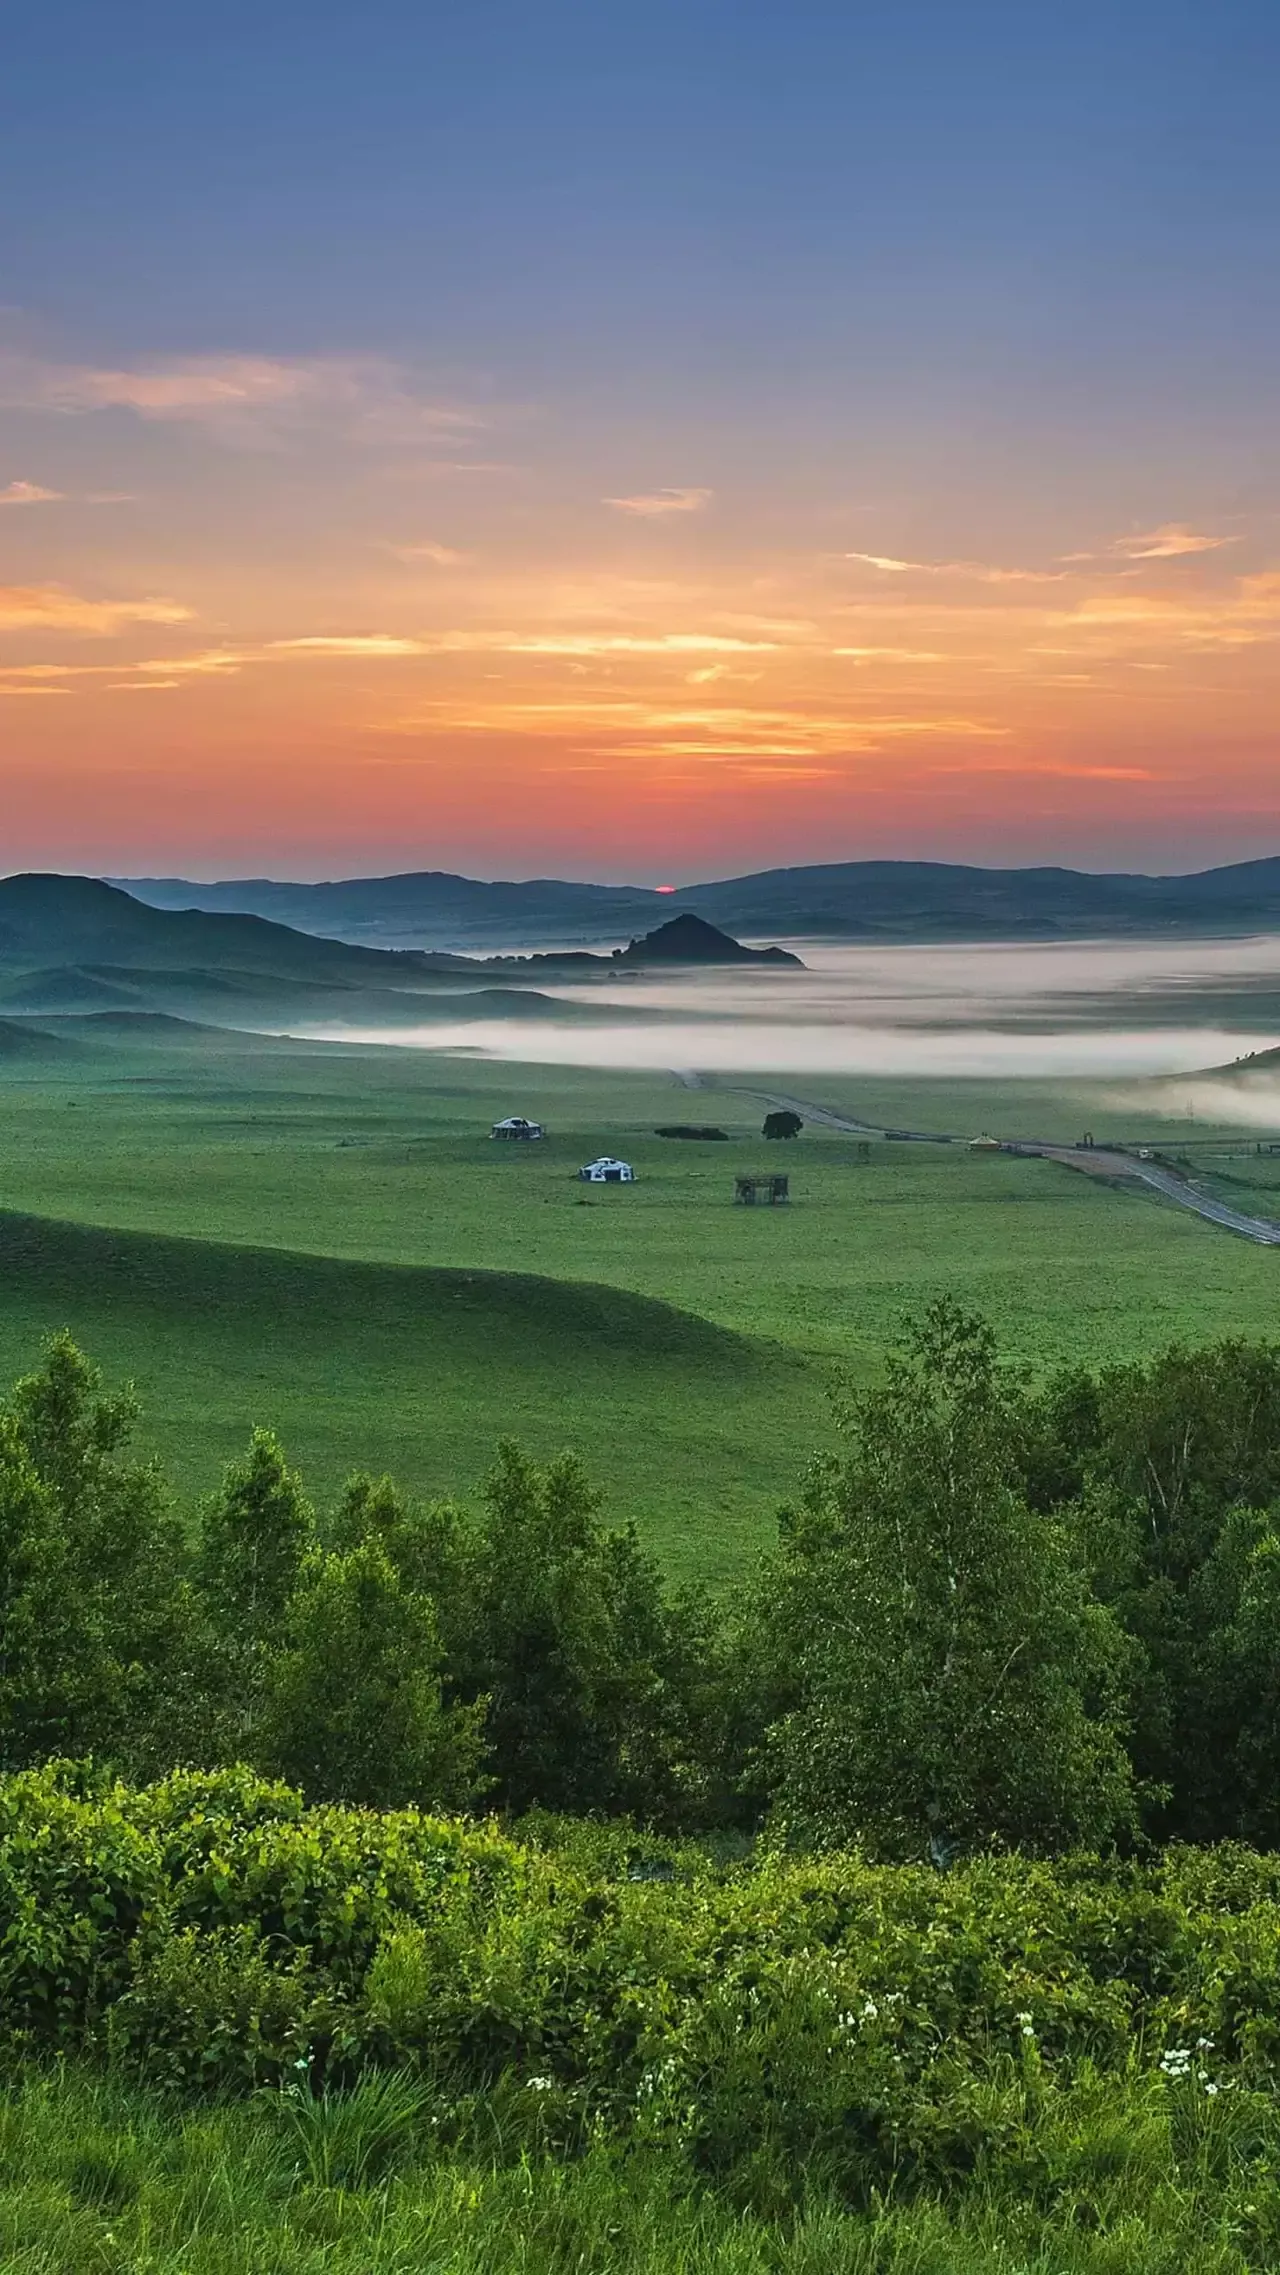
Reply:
x=875, y=2023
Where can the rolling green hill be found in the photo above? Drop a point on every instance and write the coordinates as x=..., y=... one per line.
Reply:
x=420, y=1370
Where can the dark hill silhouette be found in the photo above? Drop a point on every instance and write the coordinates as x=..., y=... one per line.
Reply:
x=684, y=941
x=689, y=939
x=53, y=920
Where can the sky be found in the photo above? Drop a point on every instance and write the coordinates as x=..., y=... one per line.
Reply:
x=643, y=441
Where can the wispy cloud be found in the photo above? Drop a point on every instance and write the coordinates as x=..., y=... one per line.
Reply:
x=28, y=494
x=427, y=549
x=895, y=655
x=627, y=726
x=651, y=505
x=430, y=467
x=1246, y=614
x=979, y=572
x=1170, y=542
x=52, y=608
x=244, y=398
x=352, y=644
x=565, y=644
x=1048, y=770
x=210, y=663
x=635, y=644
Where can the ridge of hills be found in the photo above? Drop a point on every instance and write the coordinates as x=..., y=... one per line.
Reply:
x=847, y=900
x=48, y=920
x=78, y=948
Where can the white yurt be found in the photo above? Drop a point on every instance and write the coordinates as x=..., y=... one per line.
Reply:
x=607, y=1171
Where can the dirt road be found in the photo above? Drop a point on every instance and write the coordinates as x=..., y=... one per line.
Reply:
x=1094, y=1161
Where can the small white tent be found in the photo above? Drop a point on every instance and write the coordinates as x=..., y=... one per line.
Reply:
x=607, y=1171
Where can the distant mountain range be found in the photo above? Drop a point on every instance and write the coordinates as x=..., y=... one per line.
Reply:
x=847, y=900
x=86, y=955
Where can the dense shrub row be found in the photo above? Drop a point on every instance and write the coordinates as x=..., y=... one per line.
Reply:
x=873, y=2021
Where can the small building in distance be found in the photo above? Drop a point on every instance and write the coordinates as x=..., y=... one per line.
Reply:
x=607, y=1171
x=515, y=1126
x=985, y=1144
x=761, y=1192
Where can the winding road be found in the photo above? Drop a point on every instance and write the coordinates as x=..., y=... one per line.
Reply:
x=1095, y=1161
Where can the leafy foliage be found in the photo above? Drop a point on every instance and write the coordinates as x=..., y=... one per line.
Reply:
x=1038, y=1616
x=952, y=1677
x=776, y=2025
x=93, y=1608
x=354, y=1709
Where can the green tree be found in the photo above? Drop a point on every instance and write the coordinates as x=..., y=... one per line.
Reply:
x=353, y=1707
x=1242, y=1682
x=1160, y=1467
x=597, y=1688
x=783, y=1124
x=256, y=1535
x=429, y=1545
x=951, y=1677
x=94, y=1616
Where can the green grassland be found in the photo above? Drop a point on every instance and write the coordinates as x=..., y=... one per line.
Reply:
x=326, y=1239
x=101, y=2177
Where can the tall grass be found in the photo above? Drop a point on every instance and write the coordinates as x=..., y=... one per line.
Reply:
x=98, y=2177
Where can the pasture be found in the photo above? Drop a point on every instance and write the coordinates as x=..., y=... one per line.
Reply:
x=326, y=1240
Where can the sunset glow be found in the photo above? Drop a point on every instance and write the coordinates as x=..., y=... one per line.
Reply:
x=327, y=568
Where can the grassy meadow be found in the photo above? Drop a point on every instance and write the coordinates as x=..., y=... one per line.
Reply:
x=98, y=2177
x=325, y=1239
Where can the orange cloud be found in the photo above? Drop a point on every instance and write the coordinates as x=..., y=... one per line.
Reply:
x=443, y=556
x=1170, y=542
x=652, y=504
x=52, y=608
x=979, y=571
x=351, y=644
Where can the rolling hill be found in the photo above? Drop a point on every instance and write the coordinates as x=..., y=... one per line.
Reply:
x=77, y=948
x=847, y=900
x=421, y=1370
x=74, y=947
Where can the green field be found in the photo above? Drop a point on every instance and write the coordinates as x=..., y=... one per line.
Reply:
x=346, y=1255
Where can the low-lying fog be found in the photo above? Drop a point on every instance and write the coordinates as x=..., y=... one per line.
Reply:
x=1084, y=1009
